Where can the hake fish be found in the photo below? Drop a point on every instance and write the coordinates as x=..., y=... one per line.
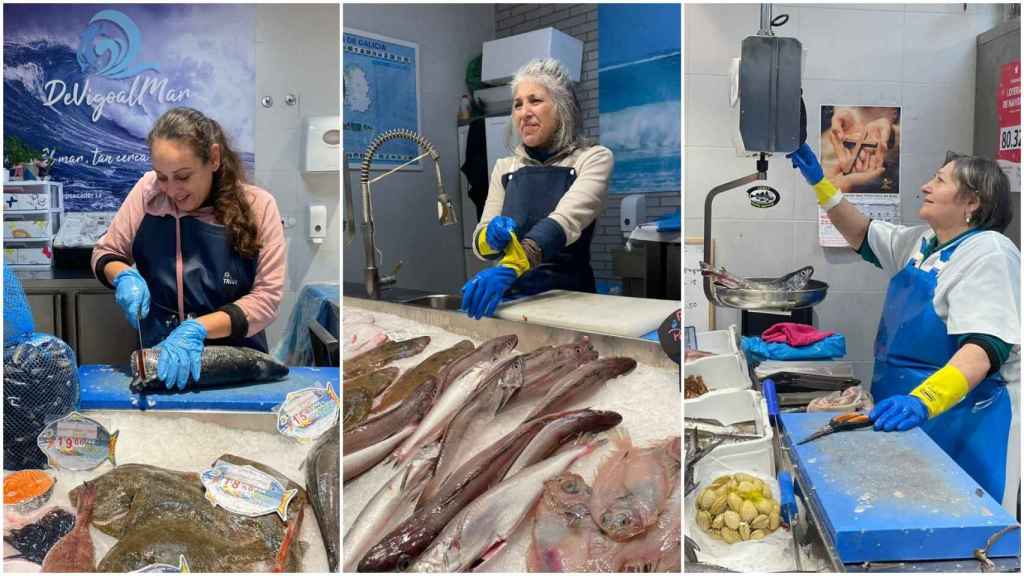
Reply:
x=323, y=487
x=402, y=545
x=221, y=366
x=382, y=426
x=432, y=367
x=455, y=395
x=383, y=355
x=581, y=382
x=483, y=527
x=356, y=463
x=566, y=428
x=386, y=504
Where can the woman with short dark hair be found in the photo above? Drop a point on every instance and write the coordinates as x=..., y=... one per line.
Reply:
x=947, y=354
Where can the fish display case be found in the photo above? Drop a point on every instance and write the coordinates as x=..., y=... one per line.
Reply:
x=644, y=400
x=158, y=445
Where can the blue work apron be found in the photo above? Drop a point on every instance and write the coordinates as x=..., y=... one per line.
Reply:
x=213, y=275
x=531, y=195
x=912, y=344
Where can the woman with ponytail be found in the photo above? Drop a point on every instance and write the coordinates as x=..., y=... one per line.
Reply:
x=195, y=253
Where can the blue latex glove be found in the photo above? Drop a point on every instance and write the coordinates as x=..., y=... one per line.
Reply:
x=181, y=354
x=804, y=160
x=901, y=413
x=482, y=294
x=132, y=295
x=499, y=232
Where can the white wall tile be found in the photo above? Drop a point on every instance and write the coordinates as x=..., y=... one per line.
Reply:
x=852, y=44
x=937, y=118
x=854, y=315
x=754, y=249
x=714, y=35
x=708, y=115
x=710, y=167
x=939, y=48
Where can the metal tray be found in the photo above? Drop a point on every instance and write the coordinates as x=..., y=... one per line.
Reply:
x=748, y=299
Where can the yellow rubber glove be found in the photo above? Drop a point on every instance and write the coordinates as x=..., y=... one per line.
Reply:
x=482, y=245
x=828, y=194
x=515, y=257
x=942, y=390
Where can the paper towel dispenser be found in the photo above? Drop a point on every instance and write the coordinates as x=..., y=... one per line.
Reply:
x=321, y=144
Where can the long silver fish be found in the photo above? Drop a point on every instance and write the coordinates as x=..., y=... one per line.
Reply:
x=358, y=462
x=378, y=513
x=497, y=387
x=483, y=527
x=581, y=382
x=455, y=396
x=403, y=544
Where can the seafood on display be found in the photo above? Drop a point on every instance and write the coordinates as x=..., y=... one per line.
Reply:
x=737, y=508
x=383, y=355
x=34, y=540
x=694, y=387
x=27, y=490
x=75, y=552
x=323, y=487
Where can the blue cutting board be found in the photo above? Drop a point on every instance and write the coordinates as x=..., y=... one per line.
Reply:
x=105, y=387
x=894, y=496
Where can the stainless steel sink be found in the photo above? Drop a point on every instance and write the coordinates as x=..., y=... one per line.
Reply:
x=436, y=301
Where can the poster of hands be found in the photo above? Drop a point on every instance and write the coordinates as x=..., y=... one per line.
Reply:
x=860, y=154
x=860, y=148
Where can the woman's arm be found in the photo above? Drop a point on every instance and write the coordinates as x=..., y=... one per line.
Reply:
x=217, y=324
x=851, y=223
x=113, y=251
x=973, y=363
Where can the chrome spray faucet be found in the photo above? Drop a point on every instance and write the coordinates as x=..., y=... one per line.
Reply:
x=375, y=283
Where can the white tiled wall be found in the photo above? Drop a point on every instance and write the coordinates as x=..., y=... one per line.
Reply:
x=920, y=57
x=297, y=52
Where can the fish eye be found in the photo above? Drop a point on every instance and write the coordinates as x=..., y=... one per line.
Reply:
x=404, y=562
x=570, y=487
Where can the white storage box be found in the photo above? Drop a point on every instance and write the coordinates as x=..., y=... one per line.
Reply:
x=723, y=372
x=25, y=201
x=503, y=57
x=718, y=341
x=29, y=256
x=730, y=407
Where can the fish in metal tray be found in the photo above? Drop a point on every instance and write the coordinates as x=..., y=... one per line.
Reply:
x=245, y=490
x=221, y=366
x=77, y=442
x=796, y=280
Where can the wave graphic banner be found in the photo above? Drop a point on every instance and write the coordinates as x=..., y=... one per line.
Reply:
x=83, y=85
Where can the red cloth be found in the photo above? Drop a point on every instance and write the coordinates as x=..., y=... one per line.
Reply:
x=794, y=334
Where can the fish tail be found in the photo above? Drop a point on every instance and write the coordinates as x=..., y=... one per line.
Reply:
x=113, y=446
x=183, y=564
x=330, y=392
x=282, y=510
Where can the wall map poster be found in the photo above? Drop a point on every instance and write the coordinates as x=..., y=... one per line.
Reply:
x=84, y=83
x=381, y=92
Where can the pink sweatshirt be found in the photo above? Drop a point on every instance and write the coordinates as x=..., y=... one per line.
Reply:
x=260, y=305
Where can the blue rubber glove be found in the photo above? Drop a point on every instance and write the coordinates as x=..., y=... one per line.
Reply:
x=804, y=160
x=499, y=232
x=132, y=295
x=181, y=354
x=901, y=413
x=482, y=294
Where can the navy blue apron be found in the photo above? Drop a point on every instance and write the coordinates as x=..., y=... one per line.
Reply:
x=214, y=275
x=912, y=344
x=531, y=194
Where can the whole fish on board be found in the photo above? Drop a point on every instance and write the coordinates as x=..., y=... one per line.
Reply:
x=323, y=487
x=221, y=366
x=158, y=514
x=383, y=355
x=633, y=486
x=400, y=547
x=75, y=552
x=484, y=526
x=486, y=360
x=432, y=367
x=356, y=463
x=382, y=426
x=494, y=391
x=581, y=382
x=386, y=505
x=373, y=383
x=362, y=337
x=564, y=537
